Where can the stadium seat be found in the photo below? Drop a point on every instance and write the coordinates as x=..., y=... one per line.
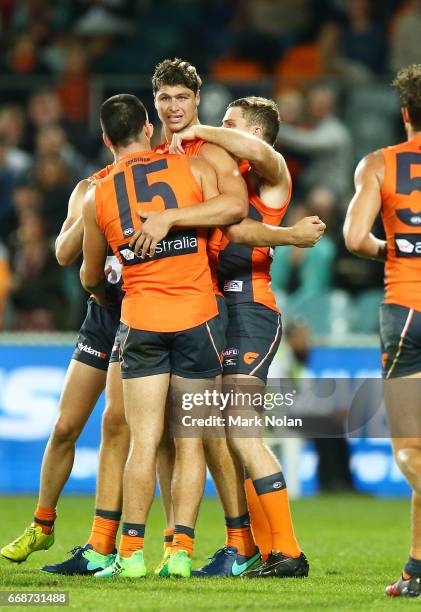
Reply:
x=301, y=63
x=325, y=313
x=234, y=69
x=365, y=312
x=371, y=113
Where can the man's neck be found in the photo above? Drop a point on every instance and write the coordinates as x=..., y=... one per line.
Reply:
x=411, y=132
x=169, y=134
x=132, y=149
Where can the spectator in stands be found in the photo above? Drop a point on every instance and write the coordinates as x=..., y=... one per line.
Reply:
x=291, y=105
x=7, y=183
x=23, y=57
x=26, y=197
x=74, y=84
x=44, y=108
x=265, y=29
x=321, y=201
x=51, y=140
x=355, y=46
x=55, y=182
x=37, y=295
x=327, y=142
x=406, y=48
x=12, y=125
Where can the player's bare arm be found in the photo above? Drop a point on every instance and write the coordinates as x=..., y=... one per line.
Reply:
x=306, y=233
x=364, y=208
x=68, y=244
x=272, y=178
x=92, y=273
x=228, y=203
x=268, y=163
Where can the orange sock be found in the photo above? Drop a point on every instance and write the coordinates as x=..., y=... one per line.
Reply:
x=104, y=531
x=239, y=535
x=132, y=539
x=168, y=538
x=183, y=539
x=44, y=518
x=259, y=524
x=273, y=496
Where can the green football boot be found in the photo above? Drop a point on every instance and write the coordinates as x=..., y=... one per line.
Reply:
x=125, y=567
x=32, y=540
x=179, y=564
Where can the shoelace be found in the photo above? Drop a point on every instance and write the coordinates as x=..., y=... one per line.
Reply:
x=75, y=550
x=221, y=551
x=30, y=532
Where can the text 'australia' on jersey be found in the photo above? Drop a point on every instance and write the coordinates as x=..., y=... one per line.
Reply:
x=401, y=214
x=244, y=271
x=172, y=291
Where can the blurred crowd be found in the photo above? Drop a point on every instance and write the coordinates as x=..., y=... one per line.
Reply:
x=326, y=62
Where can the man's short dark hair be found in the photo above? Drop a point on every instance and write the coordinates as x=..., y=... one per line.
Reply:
x=262, y=112
x=173, y=72
x=122, y=119
x=408, y=84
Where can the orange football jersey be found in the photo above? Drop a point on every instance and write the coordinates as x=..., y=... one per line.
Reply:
x=401, y=214
x=243, y=271
x=172, y=291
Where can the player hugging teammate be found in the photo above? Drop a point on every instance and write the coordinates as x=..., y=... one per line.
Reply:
x=165, y=347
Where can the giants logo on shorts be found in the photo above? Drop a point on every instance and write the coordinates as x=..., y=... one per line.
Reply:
x=250, y=357
x=408, y=245
x=176, y=243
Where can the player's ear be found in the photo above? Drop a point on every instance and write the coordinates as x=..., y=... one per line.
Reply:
x=107, y=141
x=405, y=115
x=198, y=97
x=148, y=130
x=258, y=132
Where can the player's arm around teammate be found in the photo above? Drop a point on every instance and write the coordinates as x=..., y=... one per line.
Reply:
x=271, y=168
x=228, y=205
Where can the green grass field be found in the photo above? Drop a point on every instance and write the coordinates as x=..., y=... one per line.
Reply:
x=355, y=546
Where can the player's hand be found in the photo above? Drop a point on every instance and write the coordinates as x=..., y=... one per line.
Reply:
x=155, y=227
x=307, y=232
x=176, y=145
